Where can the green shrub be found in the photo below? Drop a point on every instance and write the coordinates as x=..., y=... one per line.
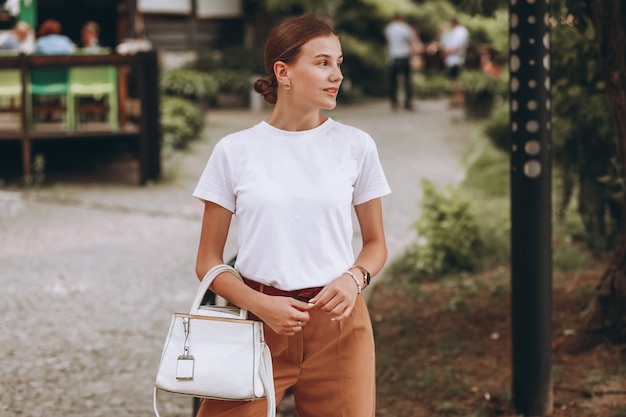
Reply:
x=231, y=58
x=487, y=170
x=431, y=85
x=189, y=84
x=181, y=122
x=498, y=129
x=448, y=235
x=479, y=86
x=232, y=81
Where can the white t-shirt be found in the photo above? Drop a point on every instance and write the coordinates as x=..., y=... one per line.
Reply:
x=292, y=194
x=399, y=38
x=457, y=39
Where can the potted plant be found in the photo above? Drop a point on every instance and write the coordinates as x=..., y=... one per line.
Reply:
x=480, y=91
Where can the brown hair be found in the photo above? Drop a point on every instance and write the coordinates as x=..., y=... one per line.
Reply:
x=284, y=44
x=49, y=27
x=91, y=26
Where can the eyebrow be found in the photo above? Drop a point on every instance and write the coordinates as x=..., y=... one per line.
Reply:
x=327, y=56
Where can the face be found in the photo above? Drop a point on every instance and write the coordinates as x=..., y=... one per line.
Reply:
x=316, y=75
x=88, y=36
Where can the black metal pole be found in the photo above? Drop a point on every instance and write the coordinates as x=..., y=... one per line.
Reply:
x=531, y=208
x=150, y=136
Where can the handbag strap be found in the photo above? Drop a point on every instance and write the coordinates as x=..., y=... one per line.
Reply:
x=208, y=279
x=267, y=377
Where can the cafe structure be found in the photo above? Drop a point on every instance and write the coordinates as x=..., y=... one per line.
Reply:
x=109, y=93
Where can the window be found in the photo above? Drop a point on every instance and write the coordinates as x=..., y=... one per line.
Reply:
x=219, y=8
x=164, y=6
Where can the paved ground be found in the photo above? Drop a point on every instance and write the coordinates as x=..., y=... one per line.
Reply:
x=90, y=269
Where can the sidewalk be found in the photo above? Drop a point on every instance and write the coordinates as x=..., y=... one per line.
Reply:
x=91, y=271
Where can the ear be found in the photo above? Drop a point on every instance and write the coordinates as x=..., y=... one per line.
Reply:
x=282, y=72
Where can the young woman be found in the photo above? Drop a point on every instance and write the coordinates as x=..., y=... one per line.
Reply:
x=291, y=182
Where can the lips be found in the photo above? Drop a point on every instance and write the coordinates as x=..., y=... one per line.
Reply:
x=332, y=90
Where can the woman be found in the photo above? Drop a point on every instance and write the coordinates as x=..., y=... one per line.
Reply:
x=291, y=181
x=89, y=35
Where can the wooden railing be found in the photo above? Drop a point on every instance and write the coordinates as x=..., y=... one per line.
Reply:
x=138, y=84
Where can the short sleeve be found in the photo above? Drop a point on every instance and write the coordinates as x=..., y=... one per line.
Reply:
x=371, y=182
x=215, y=183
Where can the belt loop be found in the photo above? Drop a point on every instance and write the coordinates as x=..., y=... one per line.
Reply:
x=261, y=287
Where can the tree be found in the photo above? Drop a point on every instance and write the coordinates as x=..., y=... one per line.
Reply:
x=606, y=316
x=583, y=136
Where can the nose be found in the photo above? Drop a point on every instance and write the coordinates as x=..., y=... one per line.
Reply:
x=337, y=75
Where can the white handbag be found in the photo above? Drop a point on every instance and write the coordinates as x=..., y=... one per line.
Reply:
x=216, y=352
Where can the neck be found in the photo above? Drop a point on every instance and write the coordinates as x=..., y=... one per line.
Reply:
x=294, y=121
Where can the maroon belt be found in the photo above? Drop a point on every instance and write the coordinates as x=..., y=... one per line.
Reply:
x=304, y=294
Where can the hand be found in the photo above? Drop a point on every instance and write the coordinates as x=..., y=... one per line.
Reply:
x=284, y=315
x=337, y=298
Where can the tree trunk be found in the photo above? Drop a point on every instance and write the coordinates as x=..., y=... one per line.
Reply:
x=607, y=313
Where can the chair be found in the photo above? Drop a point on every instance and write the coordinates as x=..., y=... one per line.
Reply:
x=97, y=83
x=10, y=90
x=48, y=83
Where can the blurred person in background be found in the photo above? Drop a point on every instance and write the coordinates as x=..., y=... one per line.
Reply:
x=89, y=35
x=21, y=39
x=401, y=39
x=454, y=44
x=51, y=41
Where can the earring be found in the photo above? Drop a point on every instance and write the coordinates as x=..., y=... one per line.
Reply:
x=287, y=86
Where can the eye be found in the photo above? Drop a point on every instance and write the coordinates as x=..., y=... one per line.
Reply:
x=323, y=63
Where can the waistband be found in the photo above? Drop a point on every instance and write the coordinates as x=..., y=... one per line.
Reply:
x=304, y=294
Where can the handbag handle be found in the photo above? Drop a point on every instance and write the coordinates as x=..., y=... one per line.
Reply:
x=208, y=279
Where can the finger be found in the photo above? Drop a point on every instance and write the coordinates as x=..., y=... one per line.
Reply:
x=346, y=313
x=293, y=330
x=330, y=305
x=302, y=305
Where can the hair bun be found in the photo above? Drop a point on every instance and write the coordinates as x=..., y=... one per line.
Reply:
x=263, y=87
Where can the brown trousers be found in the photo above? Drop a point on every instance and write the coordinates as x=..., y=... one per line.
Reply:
x=329, y=366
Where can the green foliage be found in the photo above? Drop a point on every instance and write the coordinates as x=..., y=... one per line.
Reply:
x=448, y=234
x=364, y=65
x=483, y=7
x=487, y=170
x=488, y=30
x=481, y=91
x=479, y=87
x=189, y=84
x=431, y=85
x=234, y=58
x=232, y=81
x=430, y=16
x=583, y=133
x=388, y=8
x=497, y=128
x=300, y=6
x=181, y=122
x=570, y=256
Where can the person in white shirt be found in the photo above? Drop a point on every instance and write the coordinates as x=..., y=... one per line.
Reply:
x=20, y=39
x=401, y=39
x=292, y=182
x=454, y=44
